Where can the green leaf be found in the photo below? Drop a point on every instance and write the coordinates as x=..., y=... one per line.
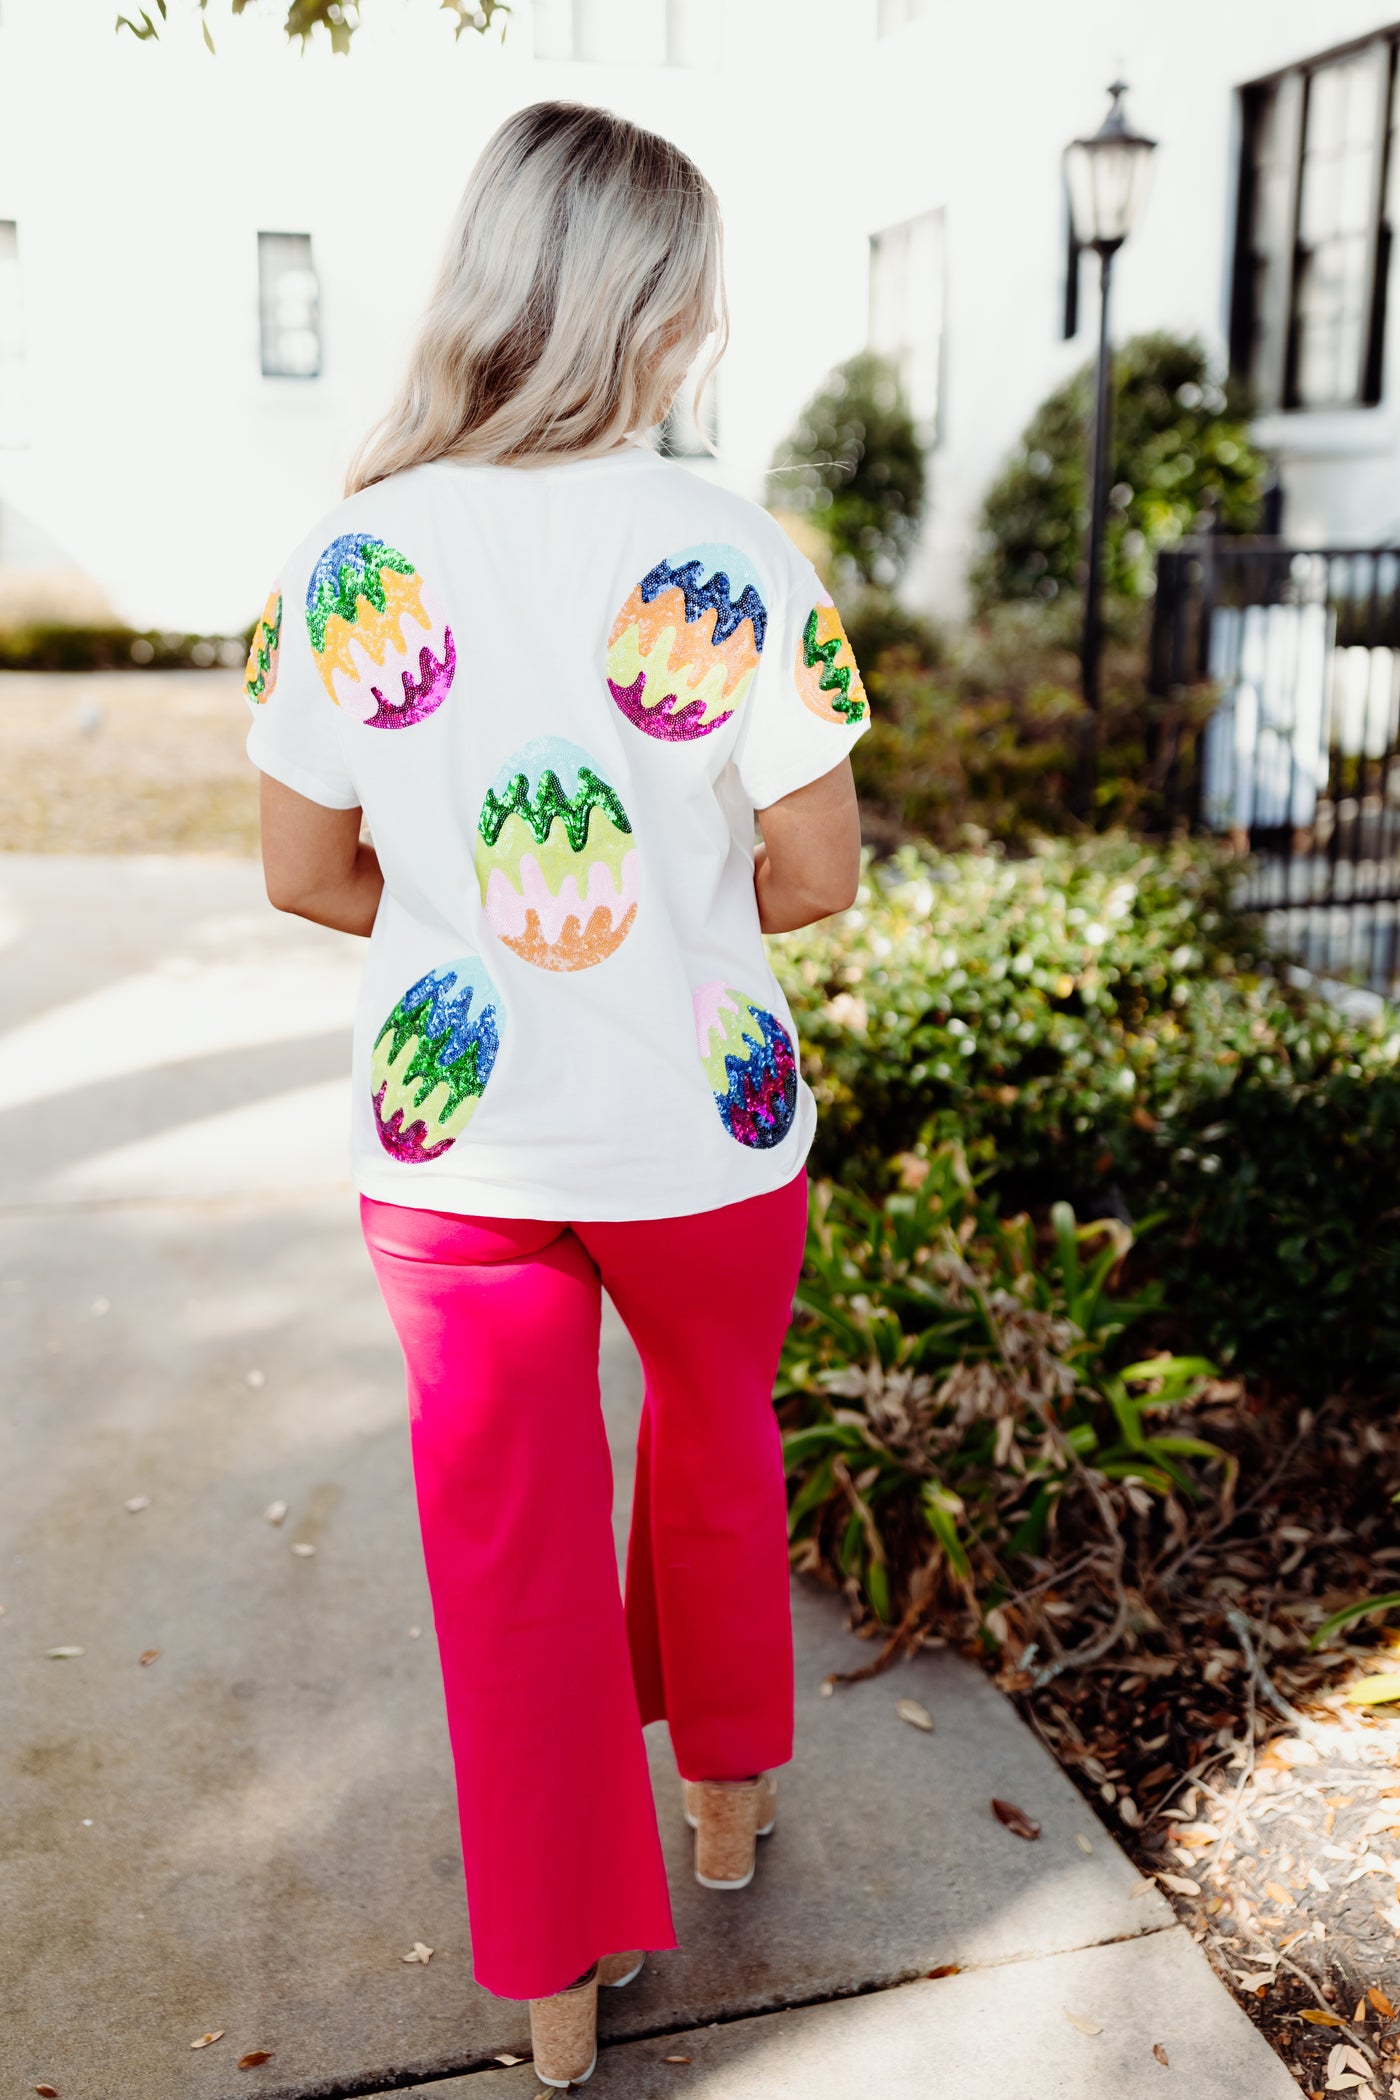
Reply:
x=1350, y=1613
x=877, y=1589
x=941, y=1512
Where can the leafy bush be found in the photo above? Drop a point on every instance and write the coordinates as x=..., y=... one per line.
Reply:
x=987, y=1386
x=1098, y=1024
x=975, y=735
x=854, y=466
x=1181, y=459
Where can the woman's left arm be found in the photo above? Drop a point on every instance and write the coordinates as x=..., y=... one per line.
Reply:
x=314, y=864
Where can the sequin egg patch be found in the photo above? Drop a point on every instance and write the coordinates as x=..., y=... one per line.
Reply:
x=556, y=858
x=828, y=677
x=432, y=1059
x=684, y=648
x=750, y=1063
x=384, y=651
x=260, y=676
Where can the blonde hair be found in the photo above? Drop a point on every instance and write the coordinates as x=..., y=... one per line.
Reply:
x=581, y=279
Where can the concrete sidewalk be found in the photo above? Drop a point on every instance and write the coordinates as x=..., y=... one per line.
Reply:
x=249, y=1831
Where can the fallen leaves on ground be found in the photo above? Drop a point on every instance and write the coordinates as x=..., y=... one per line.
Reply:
x=1084, y=2022
x=1379, y=1690
x=203, y=2040
x=419, y=1953
x=1016, y=1820
x=917, y=1716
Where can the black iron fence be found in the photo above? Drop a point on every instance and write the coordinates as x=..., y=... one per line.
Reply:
x=1276, y=677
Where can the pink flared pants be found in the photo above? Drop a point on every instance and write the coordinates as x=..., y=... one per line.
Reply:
x=549, y=1678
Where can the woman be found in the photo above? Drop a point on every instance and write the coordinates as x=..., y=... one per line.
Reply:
x=559, y=675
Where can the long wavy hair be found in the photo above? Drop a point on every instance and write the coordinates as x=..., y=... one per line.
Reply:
x=581, y=280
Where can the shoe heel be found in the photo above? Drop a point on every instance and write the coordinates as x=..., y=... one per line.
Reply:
x=766, y=1810
x=564, y=2032
x=616, y=1969
x=726, y=1830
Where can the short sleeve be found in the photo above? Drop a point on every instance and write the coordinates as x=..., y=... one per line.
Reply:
x=808, y=705
x=296, y=734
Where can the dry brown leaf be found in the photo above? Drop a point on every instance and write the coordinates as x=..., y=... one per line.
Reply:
x=206, y=2039
x=1161, y=2055
x=1380, y=2003
x=1083, y=2022
x=945, y=1968
x=917, y=1716
x=254, y=2057
x=419, y=1953
x=1016, y=1820
x=147, y=1657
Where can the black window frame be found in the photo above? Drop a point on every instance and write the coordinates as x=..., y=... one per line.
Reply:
x=1264, y=339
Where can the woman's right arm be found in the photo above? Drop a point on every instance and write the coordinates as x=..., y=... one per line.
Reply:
x=809, y=863
x=314, y=863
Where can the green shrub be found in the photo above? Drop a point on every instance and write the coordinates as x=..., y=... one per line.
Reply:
x=1100, y=1020
x=854, y=466
x=973, y=735
x=1181, y=458
x=953, y=1380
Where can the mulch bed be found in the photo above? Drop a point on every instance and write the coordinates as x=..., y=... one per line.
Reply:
x=1225, y=1754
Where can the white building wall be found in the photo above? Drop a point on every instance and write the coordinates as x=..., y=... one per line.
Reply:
x=975, y=106
x=162, y=463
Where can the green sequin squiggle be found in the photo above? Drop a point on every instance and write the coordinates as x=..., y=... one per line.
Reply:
x=265, y=644
x=548, y=803
x=835, y=678
x=360, y=577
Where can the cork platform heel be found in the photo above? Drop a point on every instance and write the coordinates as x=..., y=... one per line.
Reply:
x=728, y=1816
x=564, y=2032
x=616, y=1969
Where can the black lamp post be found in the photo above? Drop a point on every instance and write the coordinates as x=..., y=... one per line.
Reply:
x=1107, y=178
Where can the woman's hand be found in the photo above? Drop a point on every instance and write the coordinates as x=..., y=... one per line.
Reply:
x=809, y=863
x=313, y=862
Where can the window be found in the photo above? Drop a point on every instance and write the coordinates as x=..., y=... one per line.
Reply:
x=898, y=14
x=289, y=299
x=1312, y=251
x=642, y=32
x=14, y=375
x=906, y=312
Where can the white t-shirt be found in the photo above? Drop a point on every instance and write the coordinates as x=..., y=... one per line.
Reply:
x=559, y=694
